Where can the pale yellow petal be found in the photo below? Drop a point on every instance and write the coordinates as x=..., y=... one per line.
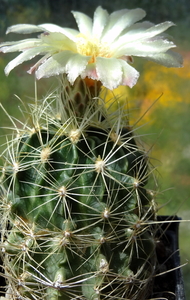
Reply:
x=126, y=20
x=144, y=48
x=24, y=56
x=129, y=74
x=23, y=28
x=54, y=65
x=168, y=59
x=109, y=72
x=100, y=20
x=84, y=23
x=20, y=45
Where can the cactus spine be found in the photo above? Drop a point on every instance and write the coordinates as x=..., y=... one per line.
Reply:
x=77, y=219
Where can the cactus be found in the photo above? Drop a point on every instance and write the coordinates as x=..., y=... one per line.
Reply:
x=77, y=219
x=80, y=215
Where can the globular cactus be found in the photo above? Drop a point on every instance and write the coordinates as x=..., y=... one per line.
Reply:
x=80, y=217
x=77, y=219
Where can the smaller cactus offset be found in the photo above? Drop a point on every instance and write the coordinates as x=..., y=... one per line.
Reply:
x=77, y=219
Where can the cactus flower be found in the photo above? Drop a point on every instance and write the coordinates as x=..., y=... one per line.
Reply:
x=102, y=48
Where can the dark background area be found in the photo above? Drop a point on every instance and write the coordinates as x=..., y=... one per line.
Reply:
x=58, y=11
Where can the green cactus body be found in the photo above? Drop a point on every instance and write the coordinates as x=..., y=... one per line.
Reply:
x=77, y=218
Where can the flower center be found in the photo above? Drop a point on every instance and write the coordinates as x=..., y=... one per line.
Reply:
x=91, y=47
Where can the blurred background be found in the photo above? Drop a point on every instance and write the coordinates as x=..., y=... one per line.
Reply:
x=162, y=95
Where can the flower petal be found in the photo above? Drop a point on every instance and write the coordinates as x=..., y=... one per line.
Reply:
x=63, y=62
x=90, y=71
x=138, y=27
x=126, y=20
x=24, y=56
x=75, y=66
x=39, y=62
x=54, y=65
x=20, y=45
x=145, y=48
x=109, y=72
x=113, y=18
x=58, y=42
x=84, y=23
x=28, y=28
x=69, y=32
x=130, y=74
x=101, y=17
x=168, y=59
x=23, y=28
x=142, y=34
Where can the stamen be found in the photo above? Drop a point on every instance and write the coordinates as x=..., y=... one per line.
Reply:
x=92, y=47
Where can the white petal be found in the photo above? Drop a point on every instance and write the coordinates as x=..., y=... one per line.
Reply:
x=168, y=59
x=23, y=28
x=142, y=34
x=90, y=71
x=84, y=23
x=39, y=62
x=70, y=33
x=55, y=65
x=100, y=20
x=28, y=28
x=58, y=41
x=20, y=45
x=109, y=72
x=24, y=56
x=138, y=27
x=113, y=18
x=50, y=27
x=157, y=29
x=130, y=74
x=63, y=62
x=126, y=20
x=145, y=48
x=75, y=66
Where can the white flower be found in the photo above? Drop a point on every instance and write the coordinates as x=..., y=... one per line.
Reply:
x=101, y=50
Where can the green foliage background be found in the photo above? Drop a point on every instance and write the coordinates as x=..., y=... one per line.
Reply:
x=167, y=125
